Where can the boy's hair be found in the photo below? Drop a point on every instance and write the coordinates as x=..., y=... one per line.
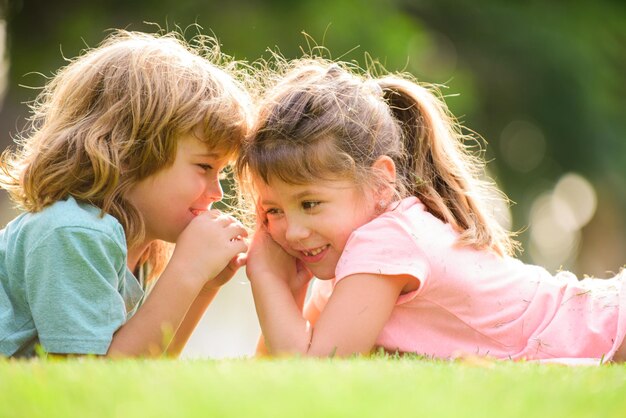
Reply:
x=112, y=116
x=324, y=120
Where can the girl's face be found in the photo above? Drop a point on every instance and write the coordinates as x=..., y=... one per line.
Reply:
x=170, y=198
x=313, y=222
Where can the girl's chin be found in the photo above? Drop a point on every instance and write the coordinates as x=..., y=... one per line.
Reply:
x=322, y=274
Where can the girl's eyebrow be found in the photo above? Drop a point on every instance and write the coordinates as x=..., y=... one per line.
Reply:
x=296, y=197
x=302, y=194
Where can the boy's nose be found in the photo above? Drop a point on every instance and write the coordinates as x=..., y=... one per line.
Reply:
x=213, y=192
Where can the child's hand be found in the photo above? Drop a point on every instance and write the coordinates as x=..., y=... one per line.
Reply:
x=210, y=243
x=266, y=260
x=225, y=275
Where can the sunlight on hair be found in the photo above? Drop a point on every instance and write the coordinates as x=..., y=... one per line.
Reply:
x=523, y=145
x=498, y=205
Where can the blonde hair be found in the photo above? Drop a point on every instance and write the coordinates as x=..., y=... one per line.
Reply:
x=111, y=118
x=324, y=120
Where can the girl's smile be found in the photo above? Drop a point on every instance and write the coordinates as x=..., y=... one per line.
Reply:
x=314, y=255
x=313, y=222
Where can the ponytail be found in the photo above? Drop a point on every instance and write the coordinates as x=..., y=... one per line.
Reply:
x=438, y=168
x=323, y=118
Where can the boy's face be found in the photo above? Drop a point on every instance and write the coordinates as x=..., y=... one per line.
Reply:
x=313, y=222
x=170, y=198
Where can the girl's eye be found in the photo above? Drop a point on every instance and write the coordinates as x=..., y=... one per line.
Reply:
x=272, y=212
x=309, y=205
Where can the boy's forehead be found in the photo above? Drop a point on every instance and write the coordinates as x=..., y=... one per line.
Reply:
x=197, y=146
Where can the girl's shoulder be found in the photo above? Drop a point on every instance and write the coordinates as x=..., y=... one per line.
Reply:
x=407, y=227
x=394, y=231
x=411, y=217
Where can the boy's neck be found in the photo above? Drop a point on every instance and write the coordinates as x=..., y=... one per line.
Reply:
x=134, y=255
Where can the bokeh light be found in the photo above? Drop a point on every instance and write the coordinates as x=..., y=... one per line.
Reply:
x=574, y=201
x=556, y=219
x=522, y=145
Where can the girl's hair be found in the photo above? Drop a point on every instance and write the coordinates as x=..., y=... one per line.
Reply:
x=112, y=117
x=324, y=120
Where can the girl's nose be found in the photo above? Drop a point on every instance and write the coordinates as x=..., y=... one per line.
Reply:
x=296, y=231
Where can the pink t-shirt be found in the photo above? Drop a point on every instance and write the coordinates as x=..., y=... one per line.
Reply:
x=473, y=302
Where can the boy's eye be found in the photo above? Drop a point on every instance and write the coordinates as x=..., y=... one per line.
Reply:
x=205, y=167
x=308, y=205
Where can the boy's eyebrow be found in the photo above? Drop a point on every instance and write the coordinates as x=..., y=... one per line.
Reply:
x=208, y=154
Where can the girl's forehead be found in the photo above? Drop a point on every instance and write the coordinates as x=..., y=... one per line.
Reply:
x=285, y=189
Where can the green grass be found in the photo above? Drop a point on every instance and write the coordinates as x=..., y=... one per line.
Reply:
x=308, y=388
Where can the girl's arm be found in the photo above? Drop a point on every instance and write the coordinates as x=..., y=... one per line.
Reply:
x=203, y=250
x=310, y=313
x=350, y=323
x=298, y=291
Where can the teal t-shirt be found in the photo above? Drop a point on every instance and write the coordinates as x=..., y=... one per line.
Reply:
x=64, y=283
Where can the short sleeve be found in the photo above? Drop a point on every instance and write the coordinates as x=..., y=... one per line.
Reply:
x=384, y=247
x=72, y=279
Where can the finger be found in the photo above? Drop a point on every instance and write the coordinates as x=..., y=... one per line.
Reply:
x=226, y=220
x=210, y=214
x=214, y=213
x=236, y=231
x=302, y=271
x=240, y=259
x=239, y=245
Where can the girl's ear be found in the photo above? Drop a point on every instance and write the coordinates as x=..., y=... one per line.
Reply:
x=386, y=168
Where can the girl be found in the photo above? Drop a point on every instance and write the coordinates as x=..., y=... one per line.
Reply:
x=124, y=156
x=365, y=184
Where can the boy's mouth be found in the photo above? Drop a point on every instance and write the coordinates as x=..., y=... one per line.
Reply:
x=197, y=212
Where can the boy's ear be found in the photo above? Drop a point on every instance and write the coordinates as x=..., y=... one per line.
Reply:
x=385, y=167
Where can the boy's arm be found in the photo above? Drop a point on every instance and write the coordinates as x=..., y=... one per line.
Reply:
x=192, y=318
x=151, y=330
x=200, y=304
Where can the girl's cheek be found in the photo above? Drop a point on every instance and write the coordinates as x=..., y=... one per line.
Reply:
x=274, y=229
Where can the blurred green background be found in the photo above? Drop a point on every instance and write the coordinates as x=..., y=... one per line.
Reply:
x=544, y=83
